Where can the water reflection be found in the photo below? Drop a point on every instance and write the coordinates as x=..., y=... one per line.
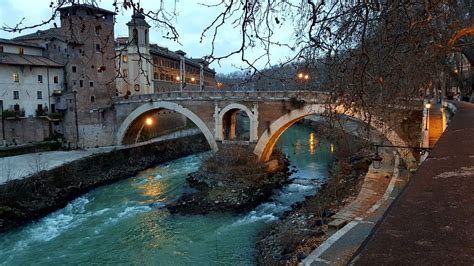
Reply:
x=312, y=142
x=152, y=188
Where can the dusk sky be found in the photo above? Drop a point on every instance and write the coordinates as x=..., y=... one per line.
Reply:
x=192, y=19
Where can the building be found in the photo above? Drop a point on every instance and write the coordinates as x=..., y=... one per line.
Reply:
x=84, y=45
x=69, y=74
x=145, y=68
x=29, y=85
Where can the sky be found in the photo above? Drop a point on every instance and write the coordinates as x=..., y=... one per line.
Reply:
x=191, y=20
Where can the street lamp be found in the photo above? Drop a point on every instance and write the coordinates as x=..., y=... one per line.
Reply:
x=377, y=159
x=148, y=122
x=3, y=124
x=75, y=116
x=427, y=106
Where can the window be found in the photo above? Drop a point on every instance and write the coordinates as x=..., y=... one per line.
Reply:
x=21, y=50
x=74, y=82
x=125, y=58
x=39, y=95
x=40, y=79
x=56, y=79
x=81, y=83
x=74, y=69
x=125, y=73
x=135, y=35
x=97, y=30
x=91, y=83
x=16, y=95
x=1, y=49
x=92, y=99
x=97, y=48
x=16, y=77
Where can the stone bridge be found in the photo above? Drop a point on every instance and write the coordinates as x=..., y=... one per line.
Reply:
x=213, y=112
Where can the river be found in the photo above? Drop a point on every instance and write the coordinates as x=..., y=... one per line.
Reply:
x=123, y=223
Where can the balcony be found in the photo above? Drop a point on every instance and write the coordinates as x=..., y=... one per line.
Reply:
x=13, y=114
x=43, y=113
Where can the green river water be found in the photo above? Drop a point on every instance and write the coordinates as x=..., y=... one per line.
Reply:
x=124, y=223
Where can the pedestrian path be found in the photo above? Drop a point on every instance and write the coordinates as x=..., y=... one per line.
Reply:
x=432, y=223
x=21, y=166
x=361, y=216
x=435, y=124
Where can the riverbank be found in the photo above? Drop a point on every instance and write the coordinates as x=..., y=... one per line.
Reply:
x=305, y=227
x=28, y=199
x=232, y=180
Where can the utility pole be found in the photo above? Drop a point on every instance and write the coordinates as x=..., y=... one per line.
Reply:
x=4, y=141
x=75, y=114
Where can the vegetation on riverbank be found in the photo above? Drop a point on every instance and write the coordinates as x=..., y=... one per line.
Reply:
x=25, y=200
x=232, y=180
x=304, y=228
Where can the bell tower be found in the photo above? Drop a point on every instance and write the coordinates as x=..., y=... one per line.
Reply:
x=140, y=68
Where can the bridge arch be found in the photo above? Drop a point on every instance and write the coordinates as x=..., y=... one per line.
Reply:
x=252, y=117
x=133, y=116
x=268, y=139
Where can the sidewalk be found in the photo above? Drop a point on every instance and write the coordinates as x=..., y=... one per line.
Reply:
x=432, y=220
x=21, y=166
x=375, y=197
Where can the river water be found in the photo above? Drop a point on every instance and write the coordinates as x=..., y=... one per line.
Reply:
x=123, y=223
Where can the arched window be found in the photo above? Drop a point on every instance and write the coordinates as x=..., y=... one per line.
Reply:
x=136, y=87
x=135, y=35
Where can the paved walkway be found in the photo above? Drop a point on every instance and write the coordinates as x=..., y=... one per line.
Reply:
x=21, y=166
x=435, y=124
x=361, y=216
x=432, y=222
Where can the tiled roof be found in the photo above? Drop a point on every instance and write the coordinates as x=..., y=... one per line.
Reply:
x=92, y=7
x=42, y=34
x=20, y=43
x=26, y=60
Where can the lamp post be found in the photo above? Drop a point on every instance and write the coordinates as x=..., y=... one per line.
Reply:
x=377, y=159
x=427, y=106
x=75, y=116
x=4, y=141
x=148, y=122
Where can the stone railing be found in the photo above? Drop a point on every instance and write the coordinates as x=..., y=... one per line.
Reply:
x=307, y=96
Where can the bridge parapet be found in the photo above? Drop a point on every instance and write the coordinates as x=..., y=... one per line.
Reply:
x=252, y=96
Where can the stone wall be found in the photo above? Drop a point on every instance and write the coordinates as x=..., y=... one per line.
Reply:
x=26, y=130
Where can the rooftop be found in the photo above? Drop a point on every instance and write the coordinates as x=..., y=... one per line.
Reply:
x=90, y=7
x=19, y=43
x=27, y=60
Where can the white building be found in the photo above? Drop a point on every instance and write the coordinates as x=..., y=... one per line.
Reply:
x=28, y=80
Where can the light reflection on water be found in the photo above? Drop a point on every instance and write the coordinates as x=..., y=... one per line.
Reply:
x=124, y=222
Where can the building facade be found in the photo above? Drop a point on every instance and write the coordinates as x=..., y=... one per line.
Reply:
x=84, y=45
x=145, y=68
x=29, y=85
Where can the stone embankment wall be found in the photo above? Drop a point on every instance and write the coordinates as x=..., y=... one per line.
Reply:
x=25, y=200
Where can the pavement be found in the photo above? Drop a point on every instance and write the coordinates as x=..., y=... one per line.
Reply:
x=435, y=124
x=380, y=188
x=432, y=221
x=21, y=166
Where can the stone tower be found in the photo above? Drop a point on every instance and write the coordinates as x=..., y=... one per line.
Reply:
x=139, y=57
x=89, y=59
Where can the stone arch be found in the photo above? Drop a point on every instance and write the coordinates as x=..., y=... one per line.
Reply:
x=268, y=139
x=252, y=117
x=164, y=105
